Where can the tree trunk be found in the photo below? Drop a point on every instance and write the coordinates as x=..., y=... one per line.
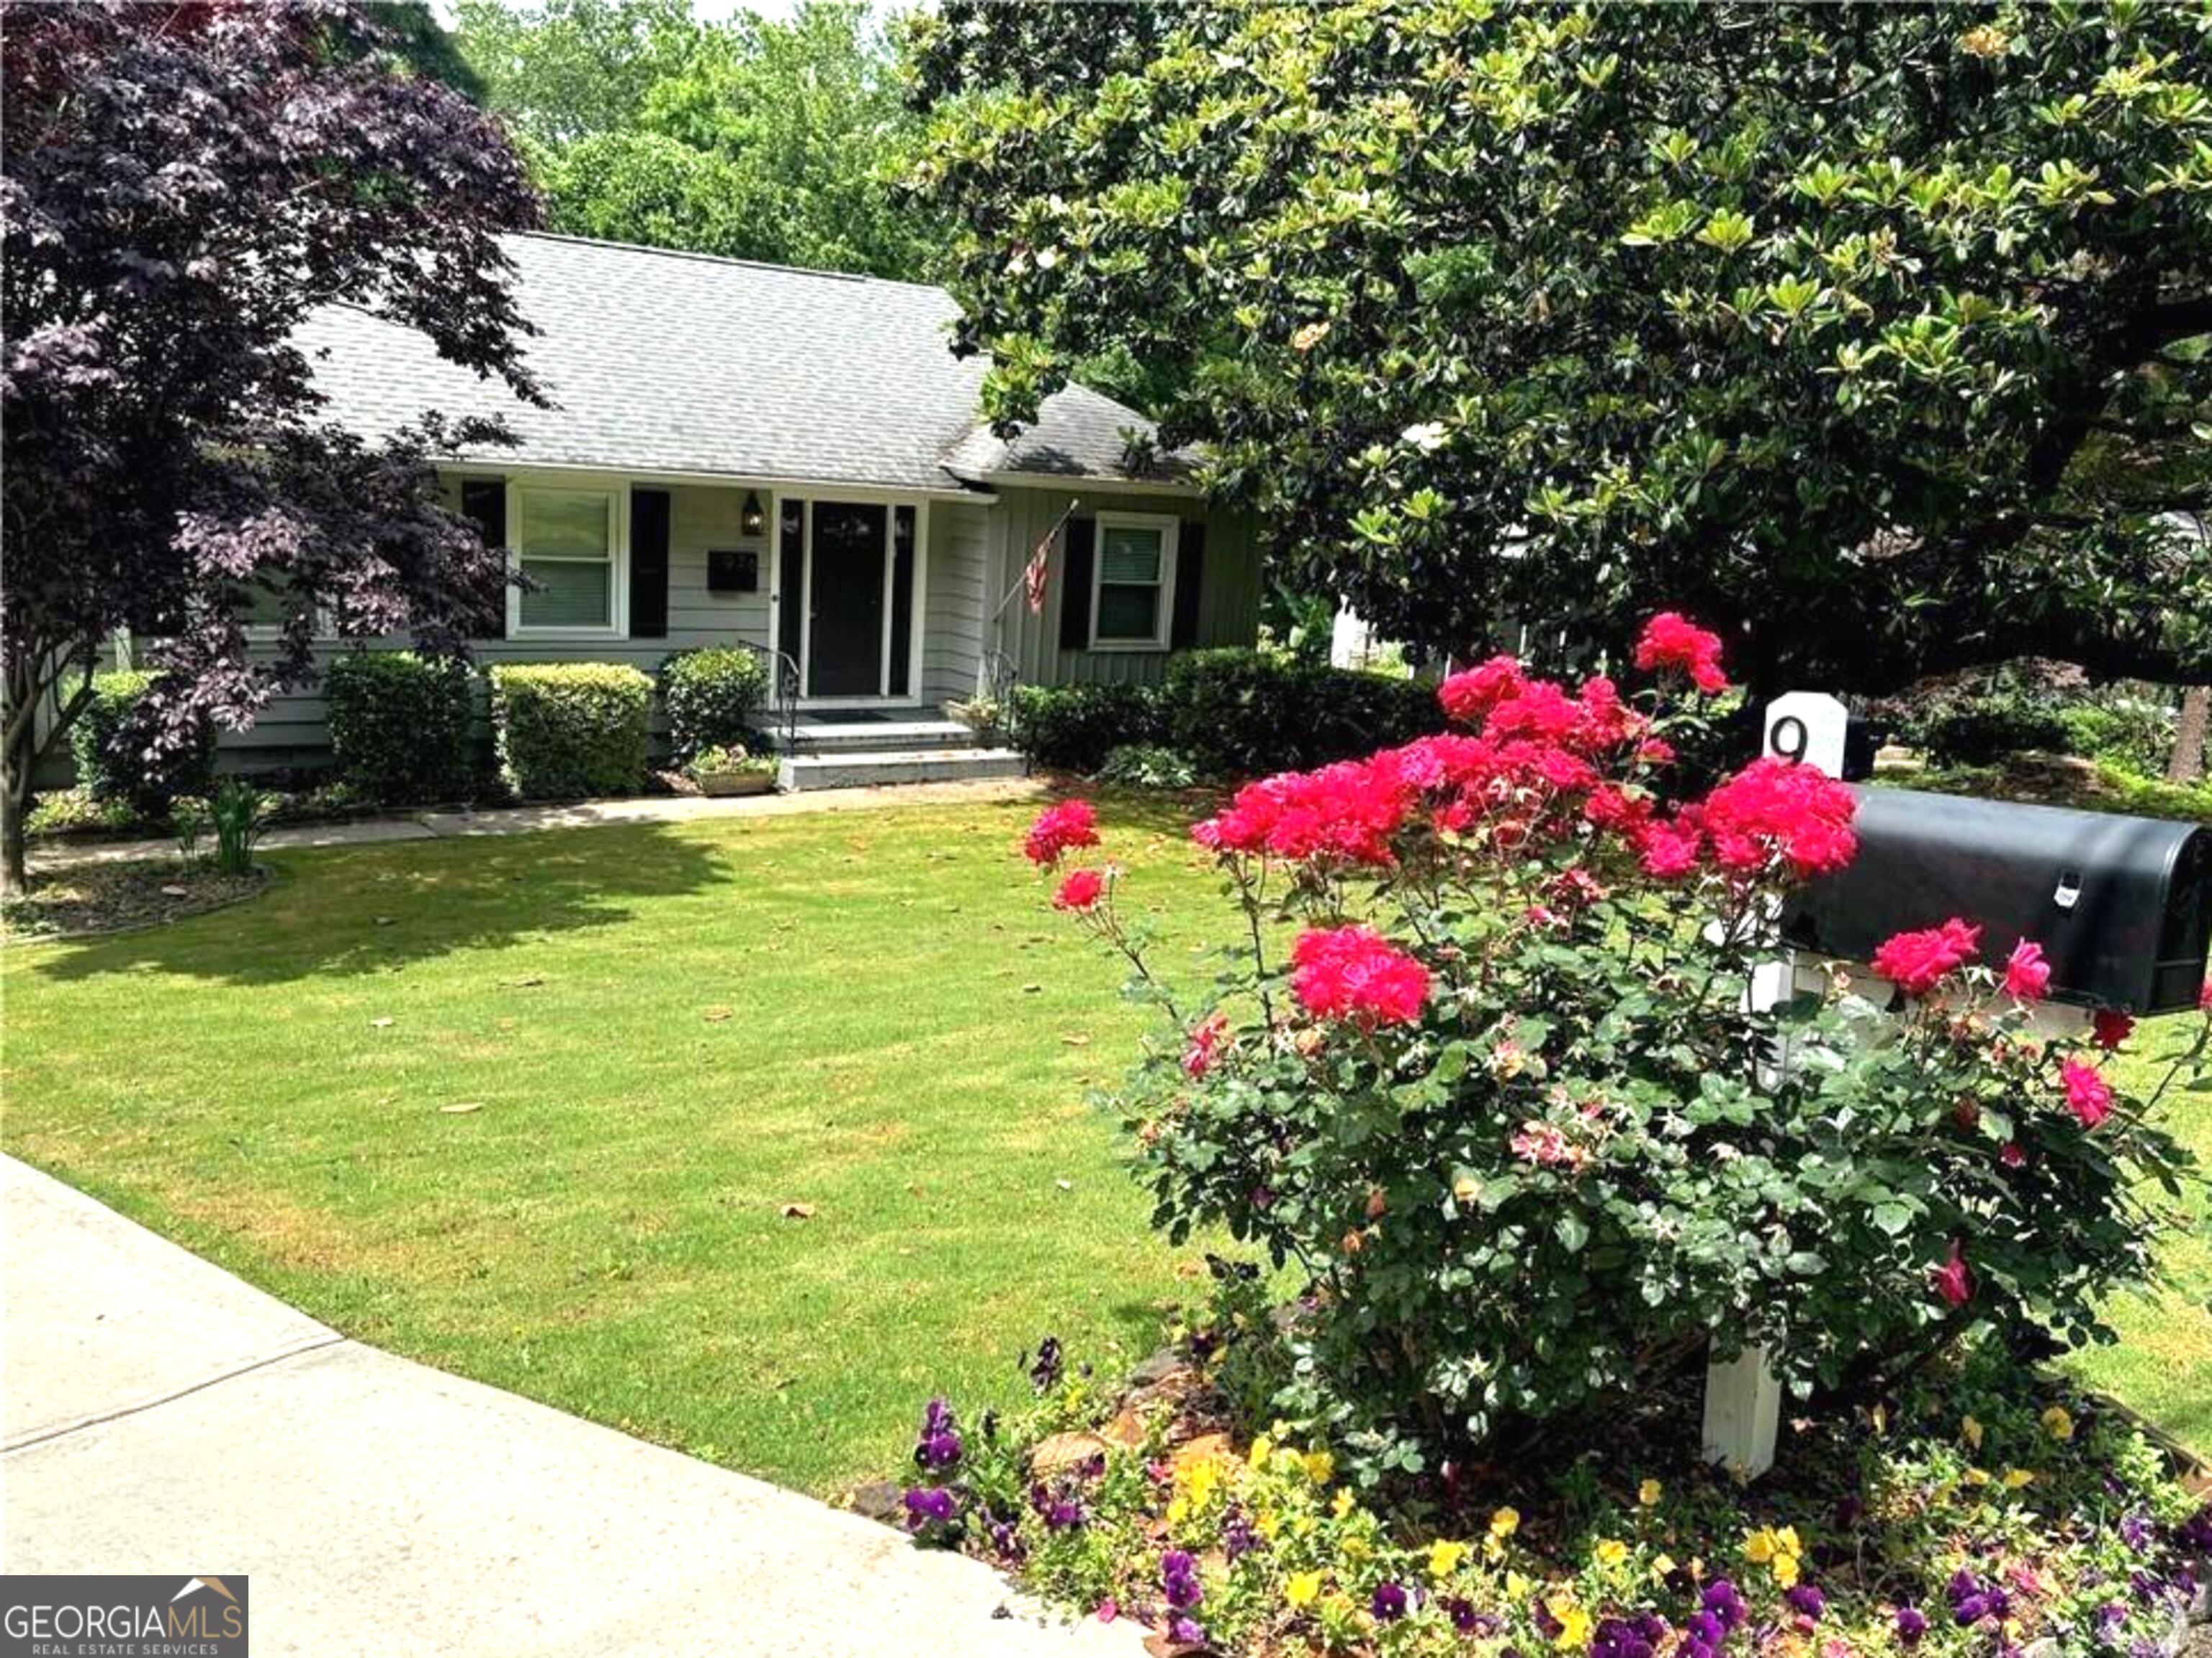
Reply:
x=16, y=764
x=2187, y=765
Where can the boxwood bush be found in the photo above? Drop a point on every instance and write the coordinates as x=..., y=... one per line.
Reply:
x=1244, y=713
x=108, y=743
x=712, y=696
x=399, y=727
x=1075, y=728
x=569, y=729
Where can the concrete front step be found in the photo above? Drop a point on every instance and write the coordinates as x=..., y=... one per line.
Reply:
x=880, y=737
x=873, y=770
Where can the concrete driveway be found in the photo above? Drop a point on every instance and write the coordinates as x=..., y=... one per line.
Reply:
x=160, y=1416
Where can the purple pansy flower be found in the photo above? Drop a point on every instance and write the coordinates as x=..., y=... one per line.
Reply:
x=1389, y=1603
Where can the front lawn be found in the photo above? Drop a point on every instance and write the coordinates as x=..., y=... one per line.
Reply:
x=533, y=1109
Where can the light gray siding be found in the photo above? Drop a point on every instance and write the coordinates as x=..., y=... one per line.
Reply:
x=1228, y=591
x=957, y=599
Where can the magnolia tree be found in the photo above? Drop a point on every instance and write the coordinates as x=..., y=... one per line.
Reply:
x=183, y=185
x=1502, y=1102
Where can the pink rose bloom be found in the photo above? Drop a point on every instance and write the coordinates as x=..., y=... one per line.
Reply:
x=1670, y=640
x=2109, y=1028
x=1354, y=973
x=1205, y=1046
x=2088, y=1096
x=1059, y=829
x=1779, y=808
x=1952, y=1280
x=1467, y=696
x=1080, y=891
x=2027, y=975
x=1917, y=961
x=2204, y=998
x=2012, y=1156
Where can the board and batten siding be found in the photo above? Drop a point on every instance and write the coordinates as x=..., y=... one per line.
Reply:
x=1229, y=589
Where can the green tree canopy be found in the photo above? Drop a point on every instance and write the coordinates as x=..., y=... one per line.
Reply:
x=1874, y=333
x=775, y=140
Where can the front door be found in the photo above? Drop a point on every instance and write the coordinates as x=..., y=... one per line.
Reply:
x=845, y=615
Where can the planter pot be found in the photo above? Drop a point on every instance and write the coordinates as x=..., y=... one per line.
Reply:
x=736, y=782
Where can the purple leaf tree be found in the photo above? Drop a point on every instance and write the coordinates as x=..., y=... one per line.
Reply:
x=182, y=185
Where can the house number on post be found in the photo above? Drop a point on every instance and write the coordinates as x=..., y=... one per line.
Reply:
x=1743, y=1397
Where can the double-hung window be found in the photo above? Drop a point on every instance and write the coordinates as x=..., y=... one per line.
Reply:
x=568, y=541
x=1135, y=599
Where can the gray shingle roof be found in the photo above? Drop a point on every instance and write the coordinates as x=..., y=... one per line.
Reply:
x=660, y=361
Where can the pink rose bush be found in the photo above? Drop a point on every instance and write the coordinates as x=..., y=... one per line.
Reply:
x=1483, y=1068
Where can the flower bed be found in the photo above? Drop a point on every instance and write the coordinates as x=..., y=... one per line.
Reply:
x=1978, y=1513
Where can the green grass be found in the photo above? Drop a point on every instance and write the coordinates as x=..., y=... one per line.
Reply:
x=2163, y=1364
x=668, y=1034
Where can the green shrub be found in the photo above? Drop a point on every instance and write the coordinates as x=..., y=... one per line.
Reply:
x=711, y=696
x=77, y=811
x=108, y=742
x=1075, y=728
x=1245, y=713
x=2131, y=731
x=569, y=729
x=1988, y=729
x=235, y=815
x=399, y=727
x=1147, y=765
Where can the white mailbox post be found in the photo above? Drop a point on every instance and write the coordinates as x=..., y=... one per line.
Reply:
x=1743, y=1397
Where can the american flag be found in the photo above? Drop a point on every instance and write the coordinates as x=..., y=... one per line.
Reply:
x=1033, y=574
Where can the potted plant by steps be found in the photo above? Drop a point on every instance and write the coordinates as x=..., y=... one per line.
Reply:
x=983, y=714
x=722, y=770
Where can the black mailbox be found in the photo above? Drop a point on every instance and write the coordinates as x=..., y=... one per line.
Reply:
x=2121, y=906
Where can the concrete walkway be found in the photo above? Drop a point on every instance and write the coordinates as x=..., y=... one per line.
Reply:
x=160, y=1416
x=526, y=820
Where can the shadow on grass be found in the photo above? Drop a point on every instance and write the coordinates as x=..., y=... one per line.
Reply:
x=370, y=909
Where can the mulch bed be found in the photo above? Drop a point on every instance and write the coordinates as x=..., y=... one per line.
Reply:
x=96, y=898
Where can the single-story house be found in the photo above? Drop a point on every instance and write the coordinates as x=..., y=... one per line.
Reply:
x=792, y=460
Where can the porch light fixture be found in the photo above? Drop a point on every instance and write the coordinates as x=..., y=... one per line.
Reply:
x=752, y=521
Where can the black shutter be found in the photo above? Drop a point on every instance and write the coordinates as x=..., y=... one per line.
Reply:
x=1082, y=538
x=648, y=563
x=902, y=597
x=483, y=503
x=791, y=575
x=1190, y=581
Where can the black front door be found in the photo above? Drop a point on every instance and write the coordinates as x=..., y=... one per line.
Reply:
x=845, y=643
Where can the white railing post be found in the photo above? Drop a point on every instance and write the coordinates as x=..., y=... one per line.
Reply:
x=1743, y=1397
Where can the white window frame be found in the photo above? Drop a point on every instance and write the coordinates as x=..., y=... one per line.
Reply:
x=1170, y=528
x=617, y=496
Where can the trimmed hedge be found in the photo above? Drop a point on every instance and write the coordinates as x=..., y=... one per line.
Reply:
x=1245, y=713
x=565, y=729
x=107, y=743
x=712, y=695
x=1075, y=728
x=1232, y=713
x=399, y=727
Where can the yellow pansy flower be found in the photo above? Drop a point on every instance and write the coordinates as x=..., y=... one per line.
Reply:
x=1758, y=1546
x=1303, y=1588
x=1321, y=1467
x=2058, y=1423
x=1178, y=1511
x=1610, y=1551
x=2016, y=1477
x=1267, y=1523
x=1444, y=1557
x=1785, y=1571
x=1785, y=1541
x=1506, y=1522
x=1663, y=1567
x=1574, y=1626
x=1342, y=1505
x=1976, y=1477
x=1517, y=1585
x=1971, y=1431
x=1649, y=1493
x=1262, y=1448
x=1200, y=1480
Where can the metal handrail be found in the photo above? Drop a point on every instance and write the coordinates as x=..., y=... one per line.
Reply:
x=783, y=700
x=1001, y=675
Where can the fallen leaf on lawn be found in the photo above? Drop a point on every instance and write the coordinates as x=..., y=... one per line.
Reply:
x=386, y=920
x=176, y=892
x=715, y=1015
x=1074, y=1039
x=799, y=1211
x=463, y=1108
x=1065, y=1185
x=1031, y=990
x=524, y=984
x=380, y=1024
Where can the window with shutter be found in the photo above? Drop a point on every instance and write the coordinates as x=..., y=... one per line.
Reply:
x=1134, y=598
